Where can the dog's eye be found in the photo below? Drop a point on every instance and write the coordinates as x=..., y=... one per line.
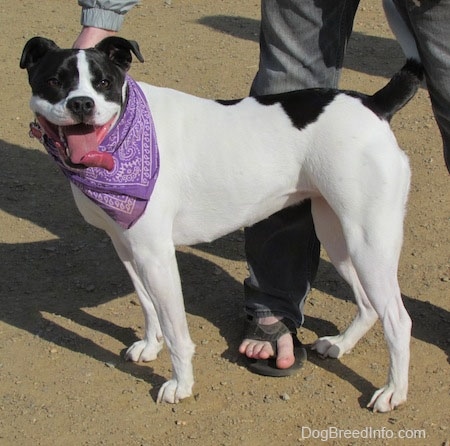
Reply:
x=104, y=84
x=53, y=82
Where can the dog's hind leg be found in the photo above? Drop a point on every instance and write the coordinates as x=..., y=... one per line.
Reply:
x=146, y=349
x=373, y=237
x=329, y=232
x=379, y=278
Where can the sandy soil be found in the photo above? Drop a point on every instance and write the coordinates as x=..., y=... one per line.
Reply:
x=68, y=310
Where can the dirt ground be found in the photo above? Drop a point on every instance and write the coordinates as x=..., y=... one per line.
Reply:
x=68, y=310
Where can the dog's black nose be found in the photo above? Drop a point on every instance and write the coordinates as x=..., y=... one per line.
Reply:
x=81, y=105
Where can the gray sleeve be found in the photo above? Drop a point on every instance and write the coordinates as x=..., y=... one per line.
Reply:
x=105, y=14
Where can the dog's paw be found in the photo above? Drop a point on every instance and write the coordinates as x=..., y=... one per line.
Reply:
x=144, y=351
x=173, y=392
x=386, y=399
x=329, y=346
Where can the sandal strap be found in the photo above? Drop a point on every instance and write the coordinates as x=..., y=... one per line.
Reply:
x=269, y=333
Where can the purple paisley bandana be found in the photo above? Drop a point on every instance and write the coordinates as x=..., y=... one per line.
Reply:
x=124, y=191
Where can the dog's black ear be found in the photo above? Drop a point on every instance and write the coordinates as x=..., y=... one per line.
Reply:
x=119, y=51
x=34, y=50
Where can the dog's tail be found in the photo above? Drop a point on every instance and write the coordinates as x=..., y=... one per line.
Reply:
x=398, y=92
x=403, y=86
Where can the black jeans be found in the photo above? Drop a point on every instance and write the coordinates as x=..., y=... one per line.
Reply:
x=283, y=255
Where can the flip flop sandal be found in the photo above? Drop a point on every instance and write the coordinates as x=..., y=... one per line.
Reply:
x=271, y=333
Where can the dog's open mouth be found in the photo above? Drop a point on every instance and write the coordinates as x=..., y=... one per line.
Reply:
x=82, y=141
x=79, y=144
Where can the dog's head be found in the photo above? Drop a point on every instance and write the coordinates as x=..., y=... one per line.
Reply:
x=77, y=95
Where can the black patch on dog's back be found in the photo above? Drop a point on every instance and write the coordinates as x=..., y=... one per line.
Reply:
x=305, y=106
x=302, y=106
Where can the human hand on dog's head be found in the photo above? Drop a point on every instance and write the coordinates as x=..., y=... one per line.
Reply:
x=91, y=36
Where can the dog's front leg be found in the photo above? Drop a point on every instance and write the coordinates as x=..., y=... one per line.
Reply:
x=159, y=275
x=146, y=349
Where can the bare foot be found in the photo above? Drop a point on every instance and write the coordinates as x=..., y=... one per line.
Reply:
x=262, y=349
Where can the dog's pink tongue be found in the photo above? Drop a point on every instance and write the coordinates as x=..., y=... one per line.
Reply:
x=98, y=159
x=83, y=147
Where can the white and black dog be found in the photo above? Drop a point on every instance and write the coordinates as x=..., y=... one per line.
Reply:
x=212, y=167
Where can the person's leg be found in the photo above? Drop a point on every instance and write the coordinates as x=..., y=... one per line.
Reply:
x=302, y=45
x=429, y=21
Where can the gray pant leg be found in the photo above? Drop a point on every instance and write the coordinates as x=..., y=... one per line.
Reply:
x=302, y=45
x=429, y=21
